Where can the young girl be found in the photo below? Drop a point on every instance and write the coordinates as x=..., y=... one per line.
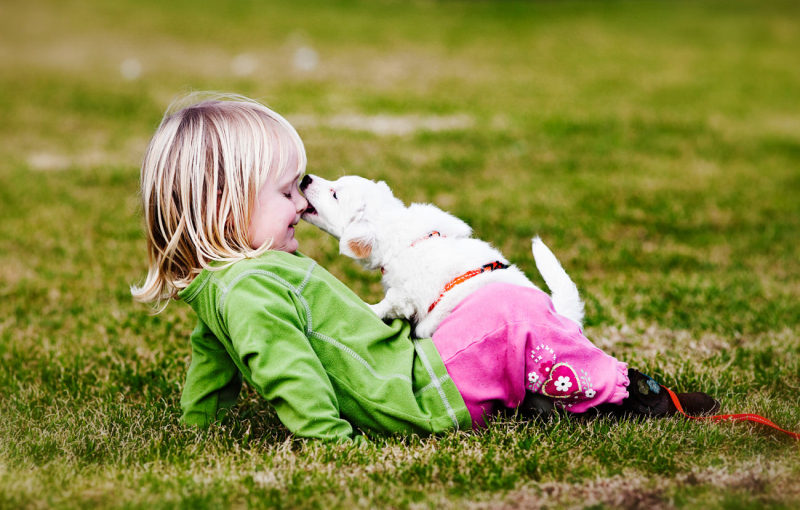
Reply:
x=220, y=195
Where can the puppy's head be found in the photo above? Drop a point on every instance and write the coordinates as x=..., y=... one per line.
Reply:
x=349, y=210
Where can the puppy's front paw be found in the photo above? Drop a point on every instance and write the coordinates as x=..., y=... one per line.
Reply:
x=385, y=311
x=380, y=309
x=424, y=331
x=393, y=306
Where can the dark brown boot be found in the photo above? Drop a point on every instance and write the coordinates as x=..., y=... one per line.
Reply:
x=695, y=404
x=647, y=398
x=536, y=406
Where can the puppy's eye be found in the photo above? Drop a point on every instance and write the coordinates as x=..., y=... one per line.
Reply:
x=334, y=195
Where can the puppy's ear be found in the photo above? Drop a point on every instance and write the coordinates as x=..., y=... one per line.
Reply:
x=357, y=240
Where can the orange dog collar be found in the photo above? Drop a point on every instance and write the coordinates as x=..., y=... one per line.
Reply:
x=491, y=266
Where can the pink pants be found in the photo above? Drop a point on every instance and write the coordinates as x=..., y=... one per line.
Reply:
x=504, y=340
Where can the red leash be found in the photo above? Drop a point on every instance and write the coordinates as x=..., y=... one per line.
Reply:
x=732, y=417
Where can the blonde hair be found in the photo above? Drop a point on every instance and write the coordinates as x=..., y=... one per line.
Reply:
x=200, y=177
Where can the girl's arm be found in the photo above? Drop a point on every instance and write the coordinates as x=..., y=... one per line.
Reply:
x=213, y=381
x=268, y=335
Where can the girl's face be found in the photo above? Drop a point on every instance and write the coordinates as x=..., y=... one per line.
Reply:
x=278, y=208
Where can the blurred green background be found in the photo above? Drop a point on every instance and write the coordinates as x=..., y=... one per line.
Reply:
x=654, y=145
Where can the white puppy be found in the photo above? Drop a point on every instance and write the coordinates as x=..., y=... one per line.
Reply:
x=428, y=259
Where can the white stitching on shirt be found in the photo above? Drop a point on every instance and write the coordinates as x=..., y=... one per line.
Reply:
x=307, y=278
x=435, y=381
x=219, y=283
x=244, y=274
x=196, y=291
x=358, y=358
x=431, y=385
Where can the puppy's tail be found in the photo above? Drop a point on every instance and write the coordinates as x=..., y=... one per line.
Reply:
x=564, y=292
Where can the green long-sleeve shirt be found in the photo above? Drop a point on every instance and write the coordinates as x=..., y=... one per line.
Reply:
x=314, y=350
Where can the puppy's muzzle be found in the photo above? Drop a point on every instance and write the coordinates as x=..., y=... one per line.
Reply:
x=305, y=183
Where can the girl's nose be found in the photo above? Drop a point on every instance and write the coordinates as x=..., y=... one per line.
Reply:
x=302, y=204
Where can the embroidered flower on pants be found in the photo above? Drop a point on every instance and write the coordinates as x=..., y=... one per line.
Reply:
x=545, y=367
x=563, y=384
x=533, y=377
x=590, y=393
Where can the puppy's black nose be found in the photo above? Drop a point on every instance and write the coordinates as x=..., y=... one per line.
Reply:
x=305, y=182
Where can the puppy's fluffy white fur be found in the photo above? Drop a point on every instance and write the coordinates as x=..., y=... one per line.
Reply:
x=378, y=230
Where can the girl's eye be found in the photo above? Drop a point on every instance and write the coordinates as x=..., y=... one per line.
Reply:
x=287, y=195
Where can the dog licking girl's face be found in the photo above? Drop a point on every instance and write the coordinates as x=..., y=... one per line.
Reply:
x=348, y=209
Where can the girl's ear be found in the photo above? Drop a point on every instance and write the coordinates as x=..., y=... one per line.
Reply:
x=357, y=240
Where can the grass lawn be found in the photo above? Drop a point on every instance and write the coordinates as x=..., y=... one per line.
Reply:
x=654, y=145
